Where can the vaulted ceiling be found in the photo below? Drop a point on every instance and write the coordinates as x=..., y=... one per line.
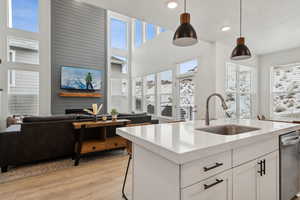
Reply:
x=269, y=25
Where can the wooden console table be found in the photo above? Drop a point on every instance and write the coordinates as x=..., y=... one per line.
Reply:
x=102, y=143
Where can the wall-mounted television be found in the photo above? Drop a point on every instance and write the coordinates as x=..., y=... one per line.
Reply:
x=78, y=78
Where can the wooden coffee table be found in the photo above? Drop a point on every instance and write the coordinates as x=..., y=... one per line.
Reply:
x=100, y=144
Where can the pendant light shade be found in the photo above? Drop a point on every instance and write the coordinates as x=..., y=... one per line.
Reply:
x=241, y=51
x=185, y=35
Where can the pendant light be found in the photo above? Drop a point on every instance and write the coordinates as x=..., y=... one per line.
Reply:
x=185, y=35
x=241, y=51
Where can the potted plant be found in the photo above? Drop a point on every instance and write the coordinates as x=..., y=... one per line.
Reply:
x=114, y=114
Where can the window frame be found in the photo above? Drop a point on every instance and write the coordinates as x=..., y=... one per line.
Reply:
x=44, y=67
x=125, y=53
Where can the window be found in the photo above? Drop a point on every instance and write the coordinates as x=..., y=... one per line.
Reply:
x=22, y=50
x=137, y=94
x=162, y=30
x=186, y=110
x=120, y=63
x=24, y=15
x=138, y=33
x=118, y=34
x=150, y=31
x=186, y=90
x=119, y=87
x=239, y=90
x=12, y=78
x=23, y=92
x=12, y=56
x=165, y=93
x=150, y=93
x=188, y=67
x=286, y=91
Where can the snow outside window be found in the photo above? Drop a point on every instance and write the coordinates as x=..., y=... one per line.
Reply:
x=285, y=89
x=150, y=93
x=165, y=90
x=239, y=90
x=137, y=94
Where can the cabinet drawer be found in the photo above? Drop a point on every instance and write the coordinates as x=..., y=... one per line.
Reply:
x=218, y=187
x=250, y=152
x=92, y=146
x=115, y=142
x=198, y=170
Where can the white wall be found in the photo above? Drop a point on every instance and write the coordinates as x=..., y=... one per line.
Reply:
x=45, y=57
x=266, y=62
x=160, y=55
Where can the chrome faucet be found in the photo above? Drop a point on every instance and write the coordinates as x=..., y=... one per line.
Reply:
x=224, y=106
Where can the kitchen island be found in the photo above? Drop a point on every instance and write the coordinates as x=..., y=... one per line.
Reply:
x=181, y=161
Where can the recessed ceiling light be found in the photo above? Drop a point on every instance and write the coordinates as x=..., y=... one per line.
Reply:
x=225, y=28
x=172, y=4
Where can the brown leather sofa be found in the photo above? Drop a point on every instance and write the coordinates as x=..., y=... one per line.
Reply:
x=46, y=138
x=8, y=144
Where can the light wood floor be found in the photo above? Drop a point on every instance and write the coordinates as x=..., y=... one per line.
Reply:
x=97, y=181
x=101, y=181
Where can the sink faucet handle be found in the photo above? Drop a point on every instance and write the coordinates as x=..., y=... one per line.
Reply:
x=225, y=107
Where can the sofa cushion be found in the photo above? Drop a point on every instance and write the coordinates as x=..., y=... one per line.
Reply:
x=137, y=119
x=49, y=118
x=132, y=114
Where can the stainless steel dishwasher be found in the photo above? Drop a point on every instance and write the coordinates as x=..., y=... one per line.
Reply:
x=289, y=165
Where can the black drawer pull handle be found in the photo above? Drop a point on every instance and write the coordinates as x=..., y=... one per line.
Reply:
x=264, y=167
x=213, y=167
x=218, y=181
x=260, y=168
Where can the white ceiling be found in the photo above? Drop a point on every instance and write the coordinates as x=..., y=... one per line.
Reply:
x=269, y=25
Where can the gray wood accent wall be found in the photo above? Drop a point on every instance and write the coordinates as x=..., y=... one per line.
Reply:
x=78, y=39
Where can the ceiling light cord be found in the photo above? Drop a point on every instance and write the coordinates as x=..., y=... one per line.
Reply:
x=241, y=18
x=185, y=6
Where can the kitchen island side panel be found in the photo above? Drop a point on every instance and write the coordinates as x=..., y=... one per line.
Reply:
x=154, y=177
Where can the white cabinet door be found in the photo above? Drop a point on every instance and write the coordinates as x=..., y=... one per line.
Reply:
x=218, y=187
x=251, y=184
x=268, y=183
x=245, y=181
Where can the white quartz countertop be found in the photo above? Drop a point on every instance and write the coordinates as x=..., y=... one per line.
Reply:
x=181, y=142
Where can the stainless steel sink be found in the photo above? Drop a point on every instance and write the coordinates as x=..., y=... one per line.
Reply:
x=228, y=129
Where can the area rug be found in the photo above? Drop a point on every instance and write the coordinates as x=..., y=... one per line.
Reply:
x=37, y=169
